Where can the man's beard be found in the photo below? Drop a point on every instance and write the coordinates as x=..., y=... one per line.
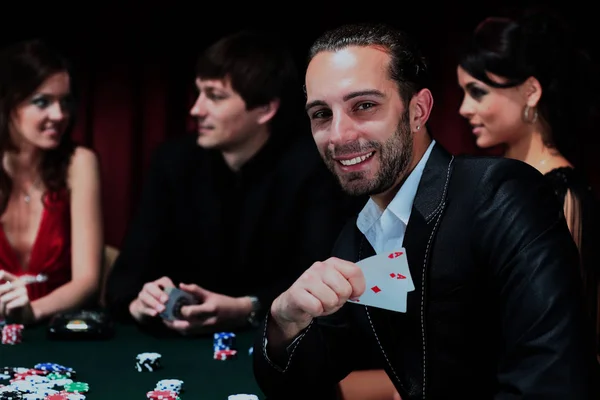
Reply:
x=395, y=155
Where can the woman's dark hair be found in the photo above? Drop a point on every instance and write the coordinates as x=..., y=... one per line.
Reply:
x=540, y=44
x=24, y=66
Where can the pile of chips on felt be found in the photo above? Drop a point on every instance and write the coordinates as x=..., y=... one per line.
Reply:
x=45, y=381
x=224, y=347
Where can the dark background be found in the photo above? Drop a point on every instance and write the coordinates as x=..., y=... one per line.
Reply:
x=134, y=64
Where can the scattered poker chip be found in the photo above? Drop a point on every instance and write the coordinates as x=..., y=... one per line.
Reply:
x=77, y=387
x=161, y=395
x=148, y=361
x=225, y=354
x=242, y=396
x=12, y=333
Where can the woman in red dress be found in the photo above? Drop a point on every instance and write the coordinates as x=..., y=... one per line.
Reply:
x=50, y=214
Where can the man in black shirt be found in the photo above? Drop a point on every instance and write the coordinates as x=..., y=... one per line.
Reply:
x=235, y=212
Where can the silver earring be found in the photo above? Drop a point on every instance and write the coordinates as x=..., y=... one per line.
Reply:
x=526, y=116
x=418, y=127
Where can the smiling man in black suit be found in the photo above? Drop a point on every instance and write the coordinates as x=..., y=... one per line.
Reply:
x=497, y=309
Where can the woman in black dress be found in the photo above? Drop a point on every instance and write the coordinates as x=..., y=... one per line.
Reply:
x=530, y=89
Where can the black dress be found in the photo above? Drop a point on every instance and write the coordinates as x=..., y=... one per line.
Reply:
x=582, y=213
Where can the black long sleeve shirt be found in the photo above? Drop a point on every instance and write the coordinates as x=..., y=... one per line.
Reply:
x=252, y=232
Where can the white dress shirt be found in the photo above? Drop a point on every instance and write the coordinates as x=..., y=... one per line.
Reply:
x=384, y=229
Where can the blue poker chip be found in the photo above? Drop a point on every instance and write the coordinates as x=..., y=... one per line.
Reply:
x=54, y=367
x=223, y=341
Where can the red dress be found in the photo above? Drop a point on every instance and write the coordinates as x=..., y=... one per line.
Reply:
x=51, y=251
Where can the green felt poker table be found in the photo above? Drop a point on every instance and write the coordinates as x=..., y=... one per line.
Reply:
x=108, y=365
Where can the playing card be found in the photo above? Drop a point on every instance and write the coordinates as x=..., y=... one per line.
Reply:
x=388, y=281
x=177, y=299
x=397, y=268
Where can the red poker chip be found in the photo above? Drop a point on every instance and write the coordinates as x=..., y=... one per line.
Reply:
x=161, y=395
x=225, y=354
x=34, y=372
x=58, y=396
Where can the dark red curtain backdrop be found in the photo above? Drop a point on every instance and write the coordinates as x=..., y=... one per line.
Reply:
x=135, y=73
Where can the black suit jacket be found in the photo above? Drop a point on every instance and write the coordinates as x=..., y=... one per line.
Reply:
x=250, y=233
x=497, y=310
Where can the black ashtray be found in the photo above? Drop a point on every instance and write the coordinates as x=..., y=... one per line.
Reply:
x=82, y=324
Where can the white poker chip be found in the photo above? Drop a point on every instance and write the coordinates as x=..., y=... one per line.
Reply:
x=148, y=356
x=76, y=396
x=45, y=391
x=242, y=397
x=175, y=385
x=23, y=386
x=60, y=382
x=37, y=379
x=33, y=396
x=36, y=396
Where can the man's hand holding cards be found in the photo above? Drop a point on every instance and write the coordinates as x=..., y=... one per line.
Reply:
x=388, y=281
x=177, y=299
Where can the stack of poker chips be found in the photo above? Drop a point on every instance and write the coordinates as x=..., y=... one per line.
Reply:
x=39, y=383
x=12, y=333
x=224, y=346
x=147, y=362
x=173, y=385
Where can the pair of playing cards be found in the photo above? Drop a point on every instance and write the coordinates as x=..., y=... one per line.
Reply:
x=177, y=299
x=388, y=281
